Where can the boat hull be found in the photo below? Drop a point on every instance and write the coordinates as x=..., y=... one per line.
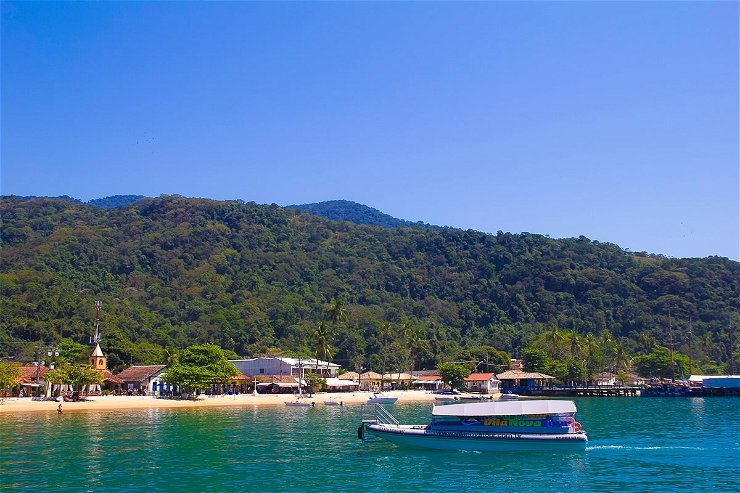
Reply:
x=419, y=436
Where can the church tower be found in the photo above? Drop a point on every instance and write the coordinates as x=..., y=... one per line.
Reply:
x=97, y=359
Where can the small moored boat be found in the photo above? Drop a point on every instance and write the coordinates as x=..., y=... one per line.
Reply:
x=486, y=426
x=300, y=403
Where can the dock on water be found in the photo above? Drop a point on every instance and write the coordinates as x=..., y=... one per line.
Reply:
x=591, y=391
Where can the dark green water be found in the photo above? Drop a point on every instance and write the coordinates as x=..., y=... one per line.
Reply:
x=636, y=445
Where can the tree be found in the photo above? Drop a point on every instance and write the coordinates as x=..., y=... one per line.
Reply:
x=314, y=381
x=9, y=375
x=322, y=338
x=453, y=374
x=535, y=359
x=76, y=375
x=660, y=364
x=336, y=312
x=198, y=367
x=575, y=370
x=386, y=334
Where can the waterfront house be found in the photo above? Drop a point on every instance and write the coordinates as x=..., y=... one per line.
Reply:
x=279, y=384
x=340, y=385
x=296, y=367
x=371, y=381
x=396, y=380
x=350, y=375
x=485, y=383
x=518, y=381
x=31, y=382
x=428, y=382
x=143, y=379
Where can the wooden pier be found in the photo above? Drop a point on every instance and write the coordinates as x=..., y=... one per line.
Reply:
x=596, y=391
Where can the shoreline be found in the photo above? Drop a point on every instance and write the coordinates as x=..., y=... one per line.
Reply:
x=23, y=405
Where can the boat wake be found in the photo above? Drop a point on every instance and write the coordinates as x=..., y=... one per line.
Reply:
x=627, y=447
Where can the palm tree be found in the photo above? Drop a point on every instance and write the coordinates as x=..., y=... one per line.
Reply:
x=576, y=344
x=323, y=338
x=386, y=333
x=336, y=312
x=554, y=342
x=592, y=355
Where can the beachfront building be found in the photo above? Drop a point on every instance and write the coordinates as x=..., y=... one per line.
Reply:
x=393, y=381
x=371, y=381
x=31, y=382
x=428, y=382
x=518, y=381
x=485, y=383
x=144, y=379
x=295, y=367
x=340, y=385
x=279, y=384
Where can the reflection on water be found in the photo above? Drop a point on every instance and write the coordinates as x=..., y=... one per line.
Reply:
x=635, y=445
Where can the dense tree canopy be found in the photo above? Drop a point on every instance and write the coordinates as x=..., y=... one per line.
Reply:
x=198, y=367
x=255, y=279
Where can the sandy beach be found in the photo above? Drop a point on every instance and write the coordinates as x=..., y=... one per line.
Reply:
x=117, y=403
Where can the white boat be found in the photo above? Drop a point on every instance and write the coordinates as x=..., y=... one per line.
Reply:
x=300, y=403
x=382, y=399
x=508, y=397
x=486, y=426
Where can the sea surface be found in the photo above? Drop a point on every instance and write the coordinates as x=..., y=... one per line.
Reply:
x=635, y=445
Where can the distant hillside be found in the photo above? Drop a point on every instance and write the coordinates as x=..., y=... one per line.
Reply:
x=115, y=201
x=112, y=202
x=256, y=279
x=346, y=210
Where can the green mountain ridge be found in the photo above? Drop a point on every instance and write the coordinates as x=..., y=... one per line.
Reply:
x=346, y=210
x=256, y=279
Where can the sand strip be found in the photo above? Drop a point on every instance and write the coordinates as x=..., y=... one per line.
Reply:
x=110, y=403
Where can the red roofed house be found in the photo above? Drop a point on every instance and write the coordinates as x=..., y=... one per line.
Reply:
x=31, y=380
x=485, y=383
x=143, y=379
x=428, y=382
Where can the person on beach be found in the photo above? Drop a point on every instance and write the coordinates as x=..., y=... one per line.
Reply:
x=59, y=409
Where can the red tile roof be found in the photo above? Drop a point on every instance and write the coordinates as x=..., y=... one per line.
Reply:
x=28, y=373
x=108, y=377
x=429, y=378
x=479, y=377
x=138, y=374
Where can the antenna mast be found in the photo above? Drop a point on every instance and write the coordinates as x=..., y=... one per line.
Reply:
x=96, y=337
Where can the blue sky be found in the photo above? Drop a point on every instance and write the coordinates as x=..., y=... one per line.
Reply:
x=613, y=120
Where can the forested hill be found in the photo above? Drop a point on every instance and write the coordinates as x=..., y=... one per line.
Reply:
x=346, y=210
x=256, y=279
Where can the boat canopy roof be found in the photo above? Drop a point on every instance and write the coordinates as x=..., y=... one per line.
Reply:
x=512, y=408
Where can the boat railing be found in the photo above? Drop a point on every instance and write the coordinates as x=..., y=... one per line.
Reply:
x=380, y=413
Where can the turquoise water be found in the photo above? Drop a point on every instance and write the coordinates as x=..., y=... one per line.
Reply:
x=636, y=445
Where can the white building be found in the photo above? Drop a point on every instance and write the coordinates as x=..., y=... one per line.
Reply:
x=285, y=366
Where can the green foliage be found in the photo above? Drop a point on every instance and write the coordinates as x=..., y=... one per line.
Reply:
x=172, y=272
x=74, y=374
x=453, y=374
x=661, y=364
x=198, y=367
x=345, y=210
x=535, y=360
x=9, y=374
x=314, y=381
